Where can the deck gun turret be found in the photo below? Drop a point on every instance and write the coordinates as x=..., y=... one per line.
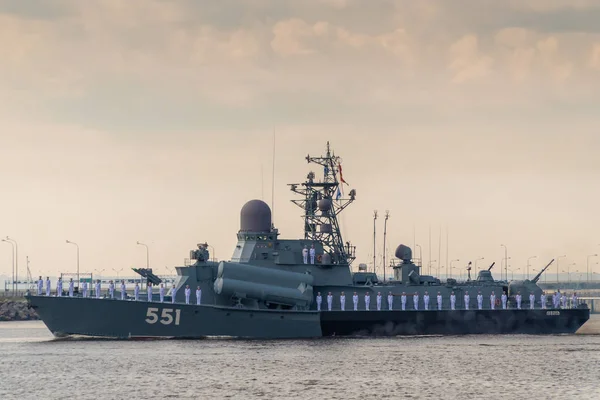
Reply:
x=527, y=286
x=491, y=266
x=537, y=277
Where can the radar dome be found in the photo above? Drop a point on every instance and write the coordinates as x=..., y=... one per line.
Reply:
x=324, y=204
x=255, y=217
x=404, y=253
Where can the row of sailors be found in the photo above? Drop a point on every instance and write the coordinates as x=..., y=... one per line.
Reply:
x=557, y=301
x=111, y=290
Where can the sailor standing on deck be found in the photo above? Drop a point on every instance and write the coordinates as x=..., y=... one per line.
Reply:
x=40, y=286
x=71, y=287
x=439, y=300
x=342, y=301
x=329, y=301
x=574, y=300
x=355, y=301
x=98, y=287
x=305, y=255
x=122, y=289
x=452, y=301
x=504, y=300
x=319, y=301
x=188, y=291
x=518, y=298
x=59, y=287
x=426, y=300
x=149, y=290
x=543, y=300
x=403, y=301
x=467, y=300
x=531, y=301
x=312, y=254
x=84, y=289
x=416, y=300
x=492, y=300
x=367, y=301
x=198, y=296
x=479, y=300
x=390, y=301
x=111, y=289
x=48, y=286
x=136, y=291
x=173, y=293
x=161, y=292
x=564, y=300
x=378, y=301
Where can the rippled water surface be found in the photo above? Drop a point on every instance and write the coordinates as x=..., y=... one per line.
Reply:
x=34, y=365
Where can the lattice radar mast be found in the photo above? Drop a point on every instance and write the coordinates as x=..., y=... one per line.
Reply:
x=321, y=202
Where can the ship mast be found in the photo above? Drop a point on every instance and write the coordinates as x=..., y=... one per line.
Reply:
x=321, y=203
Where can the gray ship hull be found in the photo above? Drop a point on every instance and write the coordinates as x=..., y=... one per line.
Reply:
x=140, y=319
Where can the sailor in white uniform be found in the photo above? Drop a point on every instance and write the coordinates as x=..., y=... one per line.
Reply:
x=416, y=300
x=355, y=301
x=554, y=300
x=123, y=291
x=467, y=300
x=504, y=300
x=543, y=301
x=48, y=286
x=149, y=291
x=518, y=299
x=367, y=301
x=161, y=292
x=305, y=255
x=493, y=301
x=319, y=301
x=98, y=288
x=59, y=287
x=329, y=301
x=452, y=301
x=71, y=287
x=342, y=301
x=439, y=301
x=173, y=293
x=479, y=300
x=378, y=301
x=136, y=291
x=312, y=254
x=84, y=288
x=111, y=289
x=390, y=301
x=574, y=300
x=426, y=300
x=188, y=292
x=531, y=301
x=40, y=286
x=403, y=300
x=564, y=300
x=198, y=296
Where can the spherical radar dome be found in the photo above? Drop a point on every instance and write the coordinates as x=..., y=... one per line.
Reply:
x=255, y=217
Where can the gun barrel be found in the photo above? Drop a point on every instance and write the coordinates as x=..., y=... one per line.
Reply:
x=537, y=277
x=491, y=266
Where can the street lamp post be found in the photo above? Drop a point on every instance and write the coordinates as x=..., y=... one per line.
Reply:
x=569, y=272
x=117, y=271
x=147, y=261
x=481, y=258
x=13, y=264
x=505, y=261
x=420, y=255
x=76, y=245
x=452, y=266
x=587, y=272
x=528, y=265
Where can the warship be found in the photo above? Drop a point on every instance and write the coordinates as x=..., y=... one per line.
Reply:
x=270, y=286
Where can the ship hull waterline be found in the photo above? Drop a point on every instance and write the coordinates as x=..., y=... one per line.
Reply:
x=108, y=318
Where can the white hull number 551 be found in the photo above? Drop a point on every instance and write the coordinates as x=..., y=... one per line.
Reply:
x=166, y=317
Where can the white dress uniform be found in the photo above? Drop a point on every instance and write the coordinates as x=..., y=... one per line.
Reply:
x=40, y=286
x=574, y=301
x=426, y=301
x=173, y=293
x=439, y=301
x=543, y=301
x=554, y=300
x=188, y=292
x=136, y=292
x=467, y=299
x=59, y=288
x=71, y=288
x=343, y=302
x=305, y=255
x=149, y=291
x=161, y=292
x=416, y=301
x=123, y=291
x=518, y=298
x=479, y=301
x=504, y=300
x=367, y=301
x=390, y=301
x=453, y=301
x=403, y=301
x=355, y=302
x=378, y=301
x=111, y=290
x=319, y=301
x=48, y=286
x=492, y=301
x=312, y=255
x=532, y=301
x=84, y=289
x=97, y=290
x=198, y=296
x=564, y=301
x=329, y=301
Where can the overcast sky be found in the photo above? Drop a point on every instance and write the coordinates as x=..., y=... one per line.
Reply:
x=151, y=120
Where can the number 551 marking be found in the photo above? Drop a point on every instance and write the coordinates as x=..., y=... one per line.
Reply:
x=166, y=316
